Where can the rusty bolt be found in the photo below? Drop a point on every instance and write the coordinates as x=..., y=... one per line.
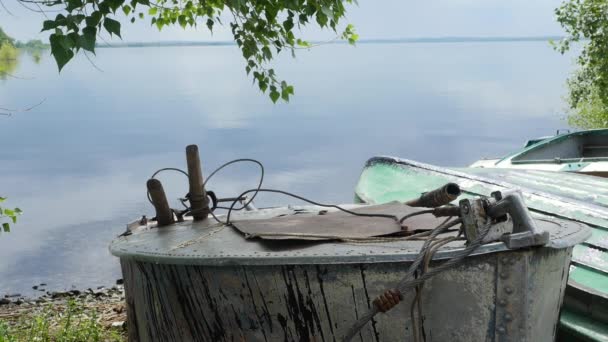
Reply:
x=502, y=302
x=508, y=290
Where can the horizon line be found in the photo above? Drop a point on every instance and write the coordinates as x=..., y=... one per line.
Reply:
x=440, y=39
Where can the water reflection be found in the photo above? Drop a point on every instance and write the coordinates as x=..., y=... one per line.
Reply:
x=10, y=57
x=8, y=60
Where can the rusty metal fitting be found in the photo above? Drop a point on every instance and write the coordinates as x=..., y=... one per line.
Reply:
x=164, y=214
x=437, y=197
x=388, y=300
x=446, y=211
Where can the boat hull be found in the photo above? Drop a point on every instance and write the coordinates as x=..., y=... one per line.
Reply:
x=568, y=196
x=505, y=296
x=583, y=152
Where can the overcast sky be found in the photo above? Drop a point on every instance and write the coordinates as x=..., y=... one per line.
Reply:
x=373, y=19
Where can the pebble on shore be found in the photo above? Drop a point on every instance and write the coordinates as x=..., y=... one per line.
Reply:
x=107, y=302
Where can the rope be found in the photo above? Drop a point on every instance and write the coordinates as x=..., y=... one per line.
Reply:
x=418, y=298
x=162, y=170
x=239, y=161
x=428, y=211
x=406, y=284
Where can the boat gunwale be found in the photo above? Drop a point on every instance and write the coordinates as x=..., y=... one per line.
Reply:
x=550, y=140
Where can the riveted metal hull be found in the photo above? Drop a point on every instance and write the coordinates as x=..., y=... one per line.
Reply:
x=568, y=196
x=504, y=296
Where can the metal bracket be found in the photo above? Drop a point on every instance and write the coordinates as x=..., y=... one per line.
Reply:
x=475, y=218
x=509, y=216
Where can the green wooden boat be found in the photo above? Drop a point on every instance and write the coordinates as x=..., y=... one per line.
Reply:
x=575, y=197
x=581, y=152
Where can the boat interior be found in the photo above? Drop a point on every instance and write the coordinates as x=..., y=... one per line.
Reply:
x=575, y=147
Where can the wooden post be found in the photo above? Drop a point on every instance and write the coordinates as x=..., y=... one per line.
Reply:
x=199, y=203
x=164, y=214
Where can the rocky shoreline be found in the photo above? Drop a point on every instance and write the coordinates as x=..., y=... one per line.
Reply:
x=106, y=305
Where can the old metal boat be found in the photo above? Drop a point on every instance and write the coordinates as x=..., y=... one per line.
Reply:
x=311, y=273
x=581, y=152
x=573, y=197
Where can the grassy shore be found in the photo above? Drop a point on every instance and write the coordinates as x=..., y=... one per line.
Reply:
x=74, y=316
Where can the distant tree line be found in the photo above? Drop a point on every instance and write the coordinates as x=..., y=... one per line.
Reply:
x=31, y=44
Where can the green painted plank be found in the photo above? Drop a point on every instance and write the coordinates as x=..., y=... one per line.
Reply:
x=598, y=239
x=582, y=327
x=591, y=258
x=589, y=278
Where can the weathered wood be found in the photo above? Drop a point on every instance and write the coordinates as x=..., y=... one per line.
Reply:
x=319, y=302
x=199, y=203
x=164, y=214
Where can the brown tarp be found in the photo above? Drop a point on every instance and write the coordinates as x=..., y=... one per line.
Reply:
x=338, y=225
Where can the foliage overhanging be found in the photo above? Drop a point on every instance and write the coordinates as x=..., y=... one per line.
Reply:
x=261, y=28
x=586, y=22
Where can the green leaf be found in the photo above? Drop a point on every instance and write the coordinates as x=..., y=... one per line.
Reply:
x=48, y=25
x=6, y=227
x=2, y=199
x=210, y=24
x=73, y=4
x=114, y=4
x=88, y=38
x=274, y=95
x=72, y=40
x=60, y=20
x=267, y=53
x=321, y=19
x=285, y=95
x=104, y=7
x=94, y=19
x=327, y=11
x=126, y=9
x=112, y=26
x=263, y=86
x=153, y=10
x=60, y=53
x=182, y=21
x=18, y=211
x=288, y=24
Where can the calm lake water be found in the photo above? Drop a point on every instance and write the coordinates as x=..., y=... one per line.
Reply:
x=77, y=164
